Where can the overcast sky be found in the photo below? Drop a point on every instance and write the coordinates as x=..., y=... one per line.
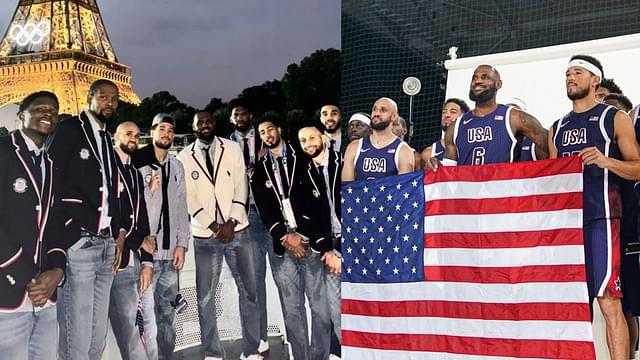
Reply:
x=199, y=49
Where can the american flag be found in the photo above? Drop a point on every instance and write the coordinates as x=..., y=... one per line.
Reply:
x=470, y=262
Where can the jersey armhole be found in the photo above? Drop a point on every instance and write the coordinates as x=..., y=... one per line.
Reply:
x=355, y=158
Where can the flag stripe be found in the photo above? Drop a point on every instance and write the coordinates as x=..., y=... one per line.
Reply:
x=498, y=329
x=503, y=188
x=520, y=204
x=469, y=310
x=349, y=352
x=467, y=292
x=541, y=255
x=542, y=220
x=546, y=349
x=509, y=239
x=514, y=171
x=508, y=275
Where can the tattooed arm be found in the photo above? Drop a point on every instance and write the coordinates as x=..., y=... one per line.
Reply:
x=527, y=125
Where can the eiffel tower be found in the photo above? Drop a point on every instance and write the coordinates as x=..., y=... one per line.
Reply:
x=60, y=46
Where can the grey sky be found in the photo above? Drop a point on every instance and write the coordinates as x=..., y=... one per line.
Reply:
x=199, y=49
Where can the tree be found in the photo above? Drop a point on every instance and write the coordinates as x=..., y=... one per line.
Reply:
x=3, y=131
x=313, y=83
x=265, y=97
x=164, y=102
x=214, y=104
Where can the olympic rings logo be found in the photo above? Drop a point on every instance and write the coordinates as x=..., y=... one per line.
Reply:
x=30, y=33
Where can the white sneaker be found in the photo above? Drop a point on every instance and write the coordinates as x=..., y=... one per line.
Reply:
x=251, y=357
x=212, y=358
x=263, y=347
x=334, y=357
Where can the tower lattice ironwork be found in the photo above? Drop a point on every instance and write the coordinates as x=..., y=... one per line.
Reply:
x=61, y=46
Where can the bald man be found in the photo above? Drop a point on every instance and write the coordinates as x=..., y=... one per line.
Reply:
x=489, y=133
x=381, y=154
x=134, y=276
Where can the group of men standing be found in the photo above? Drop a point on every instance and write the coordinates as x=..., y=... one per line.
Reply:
x=603, y=136
x=98, y=229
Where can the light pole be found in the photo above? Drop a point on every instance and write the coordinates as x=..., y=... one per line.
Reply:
x=411, y=86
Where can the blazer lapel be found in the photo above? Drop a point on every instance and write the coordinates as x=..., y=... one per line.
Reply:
x=25, y=159
x=88, y=134
x=219, y=152
x=199, y=159
x=271, y=180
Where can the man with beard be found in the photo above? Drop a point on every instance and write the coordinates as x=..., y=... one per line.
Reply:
x=605, y=140
x=86, y=162
x=359, y=126
x=452, y=109
x=382, y=153
x=136, y=265
x=33, y=240
x=246, y=135
x=325, y=171
x=489, y=133
x=165, y=195
x=331, y=119
x=288, y=203
x=216, y=197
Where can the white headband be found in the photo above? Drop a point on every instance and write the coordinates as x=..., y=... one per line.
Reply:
x=586, y=65
x=360, y=117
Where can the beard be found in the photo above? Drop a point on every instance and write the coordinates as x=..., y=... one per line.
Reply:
x=580, y=94
x=334, y=129
x=161, y=145
x=484, y=96
x=317, y=152
x=381, y=125
x=126, y=149
x=242, y=128
x=274, y=145
x=205, y=138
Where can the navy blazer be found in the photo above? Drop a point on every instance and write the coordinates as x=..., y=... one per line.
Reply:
x=32, y=234
x=305, y=198
x=134, y=214
x=74, y=149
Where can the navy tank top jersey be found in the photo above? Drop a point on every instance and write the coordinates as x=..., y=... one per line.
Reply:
x=485, y=140
x=576, y=131
x=527, y=150
x=374, y=163
x=437, y=150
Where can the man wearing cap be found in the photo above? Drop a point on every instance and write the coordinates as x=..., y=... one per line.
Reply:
x=604, y=138
x=382, y=153
x=217, y=186
x=165, y=195
x=331, y=119
x=359, y=126
x=84, y=158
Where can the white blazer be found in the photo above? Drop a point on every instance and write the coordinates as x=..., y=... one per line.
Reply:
x=221, y=195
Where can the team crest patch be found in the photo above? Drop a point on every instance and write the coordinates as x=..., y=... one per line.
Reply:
x=594, y=118
x=268, y=184
x=84, y=154
x=499, y=117
x=195, y=175
x=20, y=185
x=391, y=151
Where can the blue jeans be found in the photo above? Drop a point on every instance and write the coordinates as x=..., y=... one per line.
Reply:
x=239, y=255
x=296, y=277
x=83, y=301
x=29, y=335
x=122, y=312
x=165, y=289
x=262, y=245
